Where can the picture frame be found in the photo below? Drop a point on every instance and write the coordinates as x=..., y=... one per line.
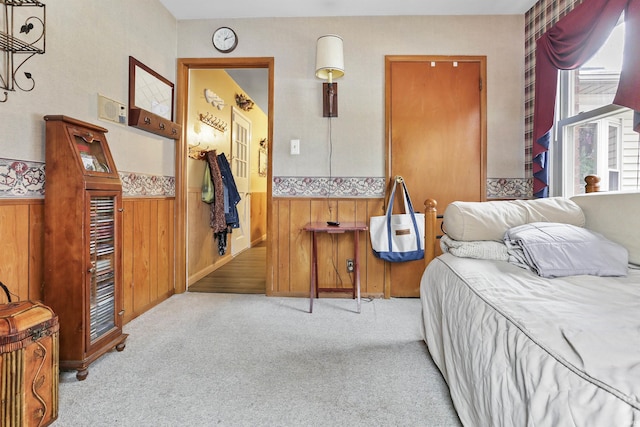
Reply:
x=262, y=162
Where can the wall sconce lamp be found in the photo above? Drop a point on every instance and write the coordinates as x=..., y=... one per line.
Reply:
x=329, y=66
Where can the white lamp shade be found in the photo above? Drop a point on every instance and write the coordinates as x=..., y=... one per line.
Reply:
x=329, y=57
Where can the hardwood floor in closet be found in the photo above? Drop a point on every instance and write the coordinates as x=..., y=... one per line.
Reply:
x=245, y=274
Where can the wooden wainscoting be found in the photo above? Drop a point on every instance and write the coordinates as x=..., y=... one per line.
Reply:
x=21, y=248
x=291, y=247
x=258, y=217
x=148, y=253
x=148, y=248
x=202, y=249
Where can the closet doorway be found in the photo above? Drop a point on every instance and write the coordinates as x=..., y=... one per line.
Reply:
x=436, y=130
x=194, y=126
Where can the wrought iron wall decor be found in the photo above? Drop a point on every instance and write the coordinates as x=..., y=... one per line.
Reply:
x=22, y=32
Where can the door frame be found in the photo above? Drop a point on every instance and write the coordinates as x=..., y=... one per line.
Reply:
x=181, y=154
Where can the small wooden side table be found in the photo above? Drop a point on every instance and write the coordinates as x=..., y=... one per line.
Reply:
x=323, y=227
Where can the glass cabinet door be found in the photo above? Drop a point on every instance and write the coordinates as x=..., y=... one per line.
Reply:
x=102, y=274
x=93, y=152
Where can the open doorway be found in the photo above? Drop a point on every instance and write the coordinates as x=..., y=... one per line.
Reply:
x=210, y=125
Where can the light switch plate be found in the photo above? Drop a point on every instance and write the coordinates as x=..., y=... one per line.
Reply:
x=295, y=147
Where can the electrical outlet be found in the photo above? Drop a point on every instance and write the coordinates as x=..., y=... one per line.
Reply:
x=350, y=266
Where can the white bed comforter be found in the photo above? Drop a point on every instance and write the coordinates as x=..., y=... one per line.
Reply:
x=520, y=350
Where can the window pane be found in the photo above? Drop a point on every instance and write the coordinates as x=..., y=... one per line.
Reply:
x=613, y=146
x=594, y=135
x=586, y=149
x=614, y=177
x=595, y=83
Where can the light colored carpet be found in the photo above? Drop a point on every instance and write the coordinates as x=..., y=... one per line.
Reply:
x=249, y=360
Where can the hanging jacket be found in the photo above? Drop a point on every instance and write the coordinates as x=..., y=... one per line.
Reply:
x=230, y=193
x=217, y=217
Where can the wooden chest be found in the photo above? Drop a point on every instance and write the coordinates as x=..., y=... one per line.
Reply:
x=28, y=364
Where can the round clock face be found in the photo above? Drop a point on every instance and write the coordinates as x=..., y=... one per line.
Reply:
x=224, y=39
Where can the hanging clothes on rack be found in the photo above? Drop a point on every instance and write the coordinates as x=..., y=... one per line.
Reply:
x=231, y=195
x=216, y=217
x=217, y=220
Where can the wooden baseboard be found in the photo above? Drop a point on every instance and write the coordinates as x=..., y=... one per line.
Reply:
x=129, y=317
x=208, y=270
x=256, y=242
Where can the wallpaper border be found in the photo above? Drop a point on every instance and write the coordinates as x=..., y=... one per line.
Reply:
x=26, y=179
x=21, y=179
x=509, y=188
x=375, y=187
x=293, y=186
x=141, y=185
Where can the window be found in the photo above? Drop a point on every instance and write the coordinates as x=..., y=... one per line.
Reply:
x=593, y=146
x=594, y=136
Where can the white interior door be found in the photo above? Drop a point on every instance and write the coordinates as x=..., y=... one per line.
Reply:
x=240, y=167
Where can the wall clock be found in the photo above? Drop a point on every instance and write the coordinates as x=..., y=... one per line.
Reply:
x=224, y=39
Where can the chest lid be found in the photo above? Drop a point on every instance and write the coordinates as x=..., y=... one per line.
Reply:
x=24, y=322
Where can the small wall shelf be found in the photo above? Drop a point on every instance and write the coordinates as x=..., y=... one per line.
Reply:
x=146, y=120
x=151, y=101
x=22, y=32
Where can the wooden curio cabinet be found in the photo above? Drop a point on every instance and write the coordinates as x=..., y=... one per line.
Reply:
x=83, y=265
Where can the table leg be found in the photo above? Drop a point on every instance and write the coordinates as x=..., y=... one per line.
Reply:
x=356, y=261
x=314, y=272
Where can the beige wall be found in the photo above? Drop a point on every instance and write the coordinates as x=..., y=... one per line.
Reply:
x=358, y=133
x=88, y=44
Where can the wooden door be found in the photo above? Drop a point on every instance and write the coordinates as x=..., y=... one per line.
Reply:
x=436, y=129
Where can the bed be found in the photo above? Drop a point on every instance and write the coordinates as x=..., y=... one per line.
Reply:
x=520, y=349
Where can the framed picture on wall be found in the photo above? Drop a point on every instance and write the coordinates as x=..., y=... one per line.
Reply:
x=262, y=162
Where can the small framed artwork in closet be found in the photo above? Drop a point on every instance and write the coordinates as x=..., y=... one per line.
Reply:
x=262, y=162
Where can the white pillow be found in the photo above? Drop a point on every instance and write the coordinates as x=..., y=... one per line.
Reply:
x=616, y=215
x=490, y=220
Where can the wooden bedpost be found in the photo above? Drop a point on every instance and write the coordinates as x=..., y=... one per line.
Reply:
x=430, y=224
x=593, y=183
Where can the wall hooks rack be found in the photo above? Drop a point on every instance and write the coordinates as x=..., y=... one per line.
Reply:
x=197, y=152
x=215, y=122
x=21, y=33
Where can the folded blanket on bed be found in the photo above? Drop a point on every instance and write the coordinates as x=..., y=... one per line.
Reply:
x=554, y=250
x=478, y=249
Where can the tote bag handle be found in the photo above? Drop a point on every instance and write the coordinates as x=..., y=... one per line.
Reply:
x=408, y=208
